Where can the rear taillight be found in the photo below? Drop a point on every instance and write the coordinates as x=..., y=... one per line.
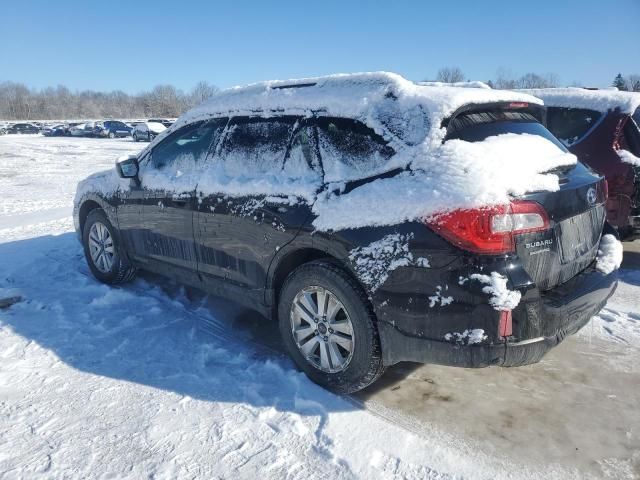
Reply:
x=490, y=230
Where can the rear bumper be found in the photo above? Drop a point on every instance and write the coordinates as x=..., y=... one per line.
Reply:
x=546, y=319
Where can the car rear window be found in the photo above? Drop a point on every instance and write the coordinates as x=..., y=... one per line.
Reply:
x=636, y=118
x=477, y=126
x=571, y=125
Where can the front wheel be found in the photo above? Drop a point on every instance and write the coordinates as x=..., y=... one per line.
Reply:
x=112, y=135
x=329, y=329
x=135, y=137
x=103, y=251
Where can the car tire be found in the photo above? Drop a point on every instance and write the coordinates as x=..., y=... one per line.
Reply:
x=99, y=236
x=135, y=137
x=151, y=137
x=112, y=135
x=362, y=363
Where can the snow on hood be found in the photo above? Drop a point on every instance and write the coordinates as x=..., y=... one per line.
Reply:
x=598, y=100
x=106, y=182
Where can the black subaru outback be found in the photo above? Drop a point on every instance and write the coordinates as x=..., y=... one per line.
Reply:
x=235, y=198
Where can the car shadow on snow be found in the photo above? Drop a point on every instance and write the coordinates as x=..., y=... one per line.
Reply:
x=152, y=332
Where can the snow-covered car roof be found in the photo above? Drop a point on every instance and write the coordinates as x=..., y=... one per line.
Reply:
x=598, y=100
x=382, y=100
x=155, y=126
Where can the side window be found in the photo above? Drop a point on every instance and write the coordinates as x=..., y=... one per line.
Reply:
x=350, y=150
x=570, y=125
x=302, y=161
x=256, y=146
x=188, y=145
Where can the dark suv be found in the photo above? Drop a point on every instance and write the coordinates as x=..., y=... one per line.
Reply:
x=598, y=126
x=23, y=128
x=229, y=199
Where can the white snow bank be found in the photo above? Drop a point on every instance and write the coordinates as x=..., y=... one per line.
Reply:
x=598, y=100
x=628, y=157
x=609, y=254
x=457, y=174
x=501, y=297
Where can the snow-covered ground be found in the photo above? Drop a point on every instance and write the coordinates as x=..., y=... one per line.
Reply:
x=152, y=380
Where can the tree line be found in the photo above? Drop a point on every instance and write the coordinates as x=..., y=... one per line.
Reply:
x=505, y=80
x=18, y=102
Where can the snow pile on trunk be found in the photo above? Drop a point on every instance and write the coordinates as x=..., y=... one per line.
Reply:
x=609, y=254
x=453, y=175
x=598, y=100
x=501, y=297
x=627, y=157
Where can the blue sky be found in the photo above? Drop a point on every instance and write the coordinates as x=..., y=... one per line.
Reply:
x=134, y=45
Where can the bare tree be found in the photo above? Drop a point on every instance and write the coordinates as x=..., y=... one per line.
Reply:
x=450, y=75
x=18, y=102
x=201, y=92
x=633, y=81
x=533, y=80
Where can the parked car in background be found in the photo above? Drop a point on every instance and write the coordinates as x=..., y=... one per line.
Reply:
x=60, y=130
x=273, y=209
x=23, y=128
x=601, y=127
x=112, y=129
x=147, y=131
x=83, y=130
x=164, y=121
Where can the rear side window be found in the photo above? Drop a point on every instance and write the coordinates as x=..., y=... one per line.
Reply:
x=350, y=150
x=256, y=146
x=570, y=125
x=189, y=144
x=477, y=126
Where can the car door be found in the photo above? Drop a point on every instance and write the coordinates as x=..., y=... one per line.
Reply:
x=169, y=178
x=255, y=193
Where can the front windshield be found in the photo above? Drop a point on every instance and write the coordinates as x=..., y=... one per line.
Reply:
x=478, y=126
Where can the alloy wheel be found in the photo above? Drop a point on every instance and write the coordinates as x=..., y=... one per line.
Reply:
x=322, y=329
x=101, y=247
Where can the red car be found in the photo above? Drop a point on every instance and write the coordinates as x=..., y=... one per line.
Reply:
x=601, y=127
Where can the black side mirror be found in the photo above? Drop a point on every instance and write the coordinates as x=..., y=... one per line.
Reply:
x=127, y=167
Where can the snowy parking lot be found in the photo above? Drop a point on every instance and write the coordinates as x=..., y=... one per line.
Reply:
x=155, y=380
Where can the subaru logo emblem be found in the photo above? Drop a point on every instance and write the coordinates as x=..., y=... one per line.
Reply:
x=592, y=196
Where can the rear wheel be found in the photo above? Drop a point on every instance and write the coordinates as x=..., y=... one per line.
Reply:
x=103, y=251
x=329, y=329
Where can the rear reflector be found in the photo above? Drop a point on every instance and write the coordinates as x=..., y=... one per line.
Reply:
x=505, y=325
x=518, y=105
x=490, y=230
